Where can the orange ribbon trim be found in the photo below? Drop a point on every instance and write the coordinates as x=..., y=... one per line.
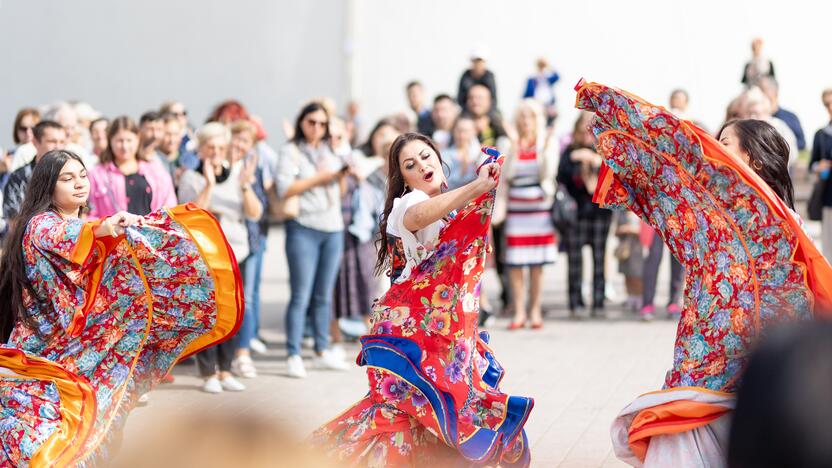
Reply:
x=77, y=406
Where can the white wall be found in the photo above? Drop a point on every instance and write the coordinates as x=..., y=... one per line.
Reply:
x=129, y=56
x=648, y=47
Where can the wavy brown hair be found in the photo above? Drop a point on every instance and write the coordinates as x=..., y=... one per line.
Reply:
x=396, y=188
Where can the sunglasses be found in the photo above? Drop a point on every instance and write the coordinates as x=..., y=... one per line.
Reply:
x=316, y=123
x=23, y=128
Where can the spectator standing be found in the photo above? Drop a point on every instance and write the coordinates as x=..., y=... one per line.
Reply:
x=223, y=187
x=759, y=65
x=771, y=89
x=821, y=164
x=478, y=74
x=528, y=193
x=308, y=169
x=578, y=171
x=540, y=87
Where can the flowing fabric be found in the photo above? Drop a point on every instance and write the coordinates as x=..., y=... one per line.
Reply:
x=749, y=265
x=434, y=396
x=113, y=316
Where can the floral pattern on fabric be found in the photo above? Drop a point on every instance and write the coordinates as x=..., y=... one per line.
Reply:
x=119, y=320
x=29, y=414
x=434, y=383
x=736, y=249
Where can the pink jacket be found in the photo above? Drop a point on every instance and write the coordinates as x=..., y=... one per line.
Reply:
x=106, y=178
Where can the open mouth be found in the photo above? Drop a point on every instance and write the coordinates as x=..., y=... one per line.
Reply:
x=428, y=176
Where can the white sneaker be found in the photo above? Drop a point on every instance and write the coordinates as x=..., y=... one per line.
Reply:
x=330, y=360
x=243, y=367
x=212, y=385
x=296, y=368
x=232, y=385
x=338, y=351
x=257, y=346
x=352, y=328
x=144, y=399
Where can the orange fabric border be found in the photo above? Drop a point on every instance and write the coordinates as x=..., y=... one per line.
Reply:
x=205, y=231
x=670, y=418
x=77, y=406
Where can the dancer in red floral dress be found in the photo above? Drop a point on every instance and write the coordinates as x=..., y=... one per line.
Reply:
x=434, y=397
x=94, y=314
x=725, y=213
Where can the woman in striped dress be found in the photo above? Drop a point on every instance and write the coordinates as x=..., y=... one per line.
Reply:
x=530, y=234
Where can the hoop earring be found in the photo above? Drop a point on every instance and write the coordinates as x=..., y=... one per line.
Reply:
x=757, y=165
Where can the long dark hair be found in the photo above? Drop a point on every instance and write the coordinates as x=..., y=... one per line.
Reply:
x=768, y=154
x=13, y=279
x=395, y=189
x=313, y=106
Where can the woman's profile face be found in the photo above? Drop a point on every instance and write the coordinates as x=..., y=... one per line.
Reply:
x=72, y=187
x=731, y=141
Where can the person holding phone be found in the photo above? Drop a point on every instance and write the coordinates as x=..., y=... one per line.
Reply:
x=308, y=169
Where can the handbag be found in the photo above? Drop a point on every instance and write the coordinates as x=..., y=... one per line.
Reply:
x=564, y=209
x=287, y=208
x=815, y=205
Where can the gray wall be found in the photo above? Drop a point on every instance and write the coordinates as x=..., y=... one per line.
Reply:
x=129, y=56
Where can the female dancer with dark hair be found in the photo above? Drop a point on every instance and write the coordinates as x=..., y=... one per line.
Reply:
x=725, y=212
x=95, y=313
x=434, y=396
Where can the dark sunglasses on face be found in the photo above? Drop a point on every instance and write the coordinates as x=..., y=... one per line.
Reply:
x=316, y=123
x=23, y=128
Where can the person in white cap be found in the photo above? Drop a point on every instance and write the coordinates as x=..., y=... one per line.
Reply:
x=477, y=74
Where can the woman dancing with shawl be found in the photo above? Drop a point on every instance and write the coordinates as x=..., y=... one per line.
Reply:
x=750, y=265
x=434, y=397
x=94, y=314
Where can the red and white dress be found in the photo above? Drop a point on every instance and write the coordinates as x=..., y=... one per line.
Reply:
x=530, y=234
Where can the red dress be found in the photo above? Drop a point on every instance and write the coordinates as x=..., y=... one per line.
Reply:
x=434, y=393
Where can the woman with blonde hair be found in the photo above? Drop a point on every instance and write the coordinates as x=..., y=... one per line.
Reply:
x=222, y=184
x=527, y=197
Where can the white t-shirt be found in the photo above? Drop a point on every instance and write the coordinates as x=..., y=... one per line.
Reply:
x=418, y=245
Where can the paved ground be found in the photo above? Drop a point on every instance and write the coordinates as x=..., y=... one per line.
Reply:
x=580, y=372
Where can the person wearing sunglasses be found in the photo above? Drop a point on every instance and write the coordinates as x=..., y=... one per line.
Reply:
x=22, y=136
x=308, y=169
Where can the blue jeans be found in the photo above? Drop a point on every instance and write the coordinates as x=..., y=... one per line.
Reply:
x=252, y=274
x=314, y=259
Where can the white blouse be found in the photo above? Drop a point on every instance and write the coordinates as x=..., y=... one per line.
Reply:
x=418, y=245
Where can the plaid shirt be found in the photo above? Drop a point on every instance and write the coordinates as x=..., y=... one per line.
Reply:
x=15, y=190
